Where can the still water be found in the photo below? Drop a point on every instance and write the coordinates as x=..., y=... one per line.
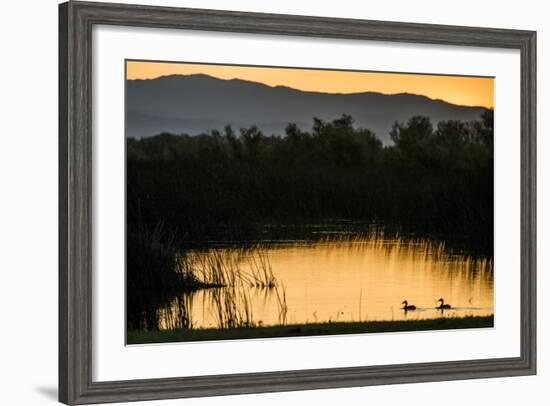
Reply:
x=348, y=279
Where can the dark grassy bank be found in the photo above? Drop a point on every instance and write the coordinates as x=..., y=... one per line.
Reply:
x=179, y=335
x=229, y=186
x=155, y=272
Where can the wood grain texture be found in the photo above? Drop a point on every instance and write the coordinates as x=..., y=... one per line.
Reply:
x=76, y=20
x=63, y=245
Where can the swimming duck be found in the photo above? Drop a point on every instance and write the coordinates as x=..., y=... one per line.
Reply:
x=443, y=305
x=407, y=306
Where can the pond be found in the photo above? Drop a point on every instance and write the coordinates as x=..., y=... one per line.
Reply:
x=352, y=278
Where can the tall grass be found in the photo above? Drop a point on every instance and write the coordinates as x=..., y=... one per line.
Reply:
x=233, y=266
x=212, y=270
x=233, y=307
x=157, y=271
x=281, y=303
x=151, y=261
x=261, y=273
x=155, y=264
x=177, y=313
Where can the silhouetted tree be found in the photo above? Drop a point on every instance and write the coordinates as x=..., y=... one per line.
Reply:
x=429, y=180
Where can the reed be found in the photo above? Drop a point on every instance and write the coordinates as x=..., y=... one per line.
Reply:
x=260, y=272
x=247, y=266
x=232, y=308
x=281, y=303
x=152, y=262
x=176, y=314
x=211, y=268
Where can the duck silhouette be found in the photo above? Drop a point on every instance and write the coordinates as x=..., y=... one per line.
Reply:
x=443, y=305
x=407, y=306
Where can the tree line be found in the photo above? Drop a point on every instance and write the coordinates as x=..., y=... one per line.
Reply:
x=230, y=184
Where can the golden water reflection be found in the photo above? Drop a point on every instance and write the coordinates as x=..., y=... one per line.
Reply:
x=354, y=279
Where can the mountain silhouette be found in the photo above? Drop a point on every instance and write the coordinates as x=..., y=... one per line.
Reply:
x=195, y=104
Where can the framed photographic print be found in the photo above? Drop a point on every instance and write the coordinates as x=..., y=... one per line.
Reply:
x=258, y=202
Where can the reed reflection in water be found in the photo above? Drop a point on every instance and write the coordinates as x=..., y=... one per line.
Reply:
x=343, y=279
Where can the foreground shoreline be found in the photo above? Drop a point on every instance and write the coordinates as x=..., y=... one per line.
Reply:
x=317, y=329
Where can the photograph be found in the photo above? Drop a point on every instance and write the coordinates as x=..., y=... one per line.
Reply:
x=266, y=201
x=259, y=201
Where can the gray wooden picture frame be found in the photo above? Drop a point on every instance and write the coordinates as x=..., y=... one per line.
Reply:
x=76, y=20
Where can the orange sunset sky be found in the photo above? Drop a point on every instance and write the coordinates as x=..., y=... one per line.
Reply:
x=462, y=90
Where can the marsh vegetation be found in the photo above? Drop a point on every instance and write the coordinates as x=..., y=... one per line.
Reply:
x=228, y=185
x=241, y=231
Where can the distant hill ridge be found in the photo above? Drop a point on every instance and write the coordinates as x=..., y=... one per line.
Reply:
x=199, y=103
